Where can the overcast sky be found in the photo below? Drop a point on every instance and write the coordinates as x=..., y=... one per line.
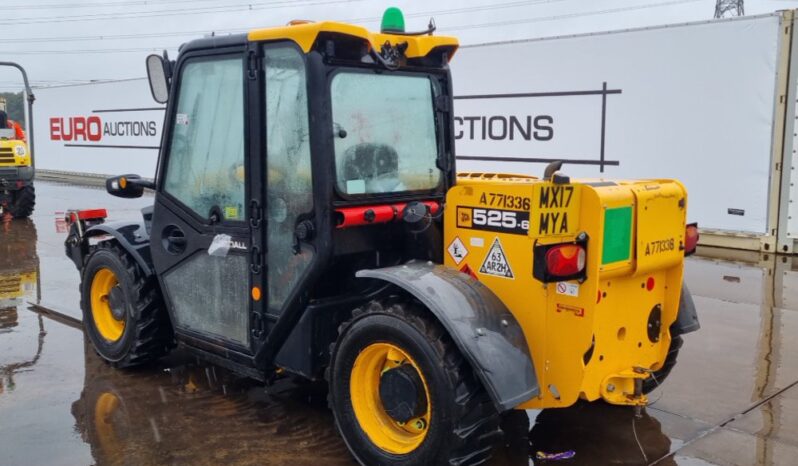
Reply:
x=61, y=41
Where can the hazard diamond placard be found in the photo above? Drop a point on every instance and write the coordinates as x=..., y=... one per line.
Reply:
x=495, y=262
x=457, y=250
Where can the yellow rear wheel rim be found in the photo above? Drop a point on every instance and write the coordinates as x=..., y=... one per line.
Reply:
x=109, y=327
x=386, y=433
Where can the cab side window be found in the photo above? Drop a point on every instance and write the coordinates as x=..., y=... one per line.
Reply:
x=205, y=170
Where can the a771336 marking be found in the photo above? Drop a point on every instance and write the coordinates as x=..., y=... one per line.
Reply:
x=507, y=201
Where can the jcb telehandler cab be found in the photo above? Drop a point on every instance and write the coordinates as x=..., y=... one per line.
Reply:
x=308, y=219
x=17, y=196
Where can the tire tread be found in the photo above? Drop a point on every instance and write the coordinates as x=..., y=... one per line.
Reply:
x=659, y=376
x=153, y=336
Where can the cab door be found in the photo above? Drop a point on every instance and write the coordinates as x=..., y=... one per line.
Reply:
x=289, y=181
x=201, y=238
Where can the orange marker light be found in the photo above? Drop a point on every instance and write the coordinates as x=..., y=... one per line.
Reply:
x=122, y=182
x=255, y=293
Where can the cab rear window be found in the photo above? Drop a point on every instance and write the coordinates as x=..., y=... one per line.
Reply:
x=385, y=135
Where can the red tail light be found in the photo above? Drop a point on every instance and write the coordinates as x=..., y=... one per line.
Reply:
x=690, y=238
x=89, y=214
x=560, y=262
x=565, y=260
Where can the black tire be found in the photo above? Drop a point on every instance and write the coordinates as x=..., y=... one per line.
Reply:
x=24, y=200
x=463, y=424
x=659, y=376
x=147, y=333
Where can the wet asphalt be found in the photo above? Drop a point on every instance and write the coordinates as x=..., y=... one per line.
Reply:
x=731, y=400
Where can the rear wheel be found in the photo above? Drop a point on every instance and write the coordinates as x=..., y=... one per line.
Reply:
x=23, y=201
x=659, y=376
x=123, y=312
x=402, y=393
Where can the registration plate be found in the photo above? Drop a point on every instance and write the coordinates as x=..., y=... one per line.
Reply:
x=555, y=210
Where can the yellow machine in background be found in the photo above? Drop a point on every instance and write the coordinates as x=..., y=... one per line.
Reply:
x=17, y=195
x=600, y=266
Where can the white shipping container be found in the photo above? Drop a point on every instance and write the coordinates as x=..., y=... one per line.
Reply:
x=696, y=102
x=100, y=128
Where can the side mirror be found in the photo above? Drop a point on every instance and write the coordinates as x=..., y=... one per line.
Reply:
x=127, y=186
x=159, y=82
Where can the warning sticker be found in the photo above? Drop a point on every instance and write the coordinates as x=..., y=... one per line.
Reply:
x=457, y=250
x=496, y=262
x=568, y=289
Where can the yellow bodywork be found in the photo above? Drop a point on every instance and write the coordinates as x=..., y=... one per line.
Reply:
x=305, y=35
x=588, y=340
x=14, y=153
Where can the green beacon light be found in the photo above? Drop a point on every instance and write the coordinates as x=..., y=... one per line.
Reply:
x=393, y=20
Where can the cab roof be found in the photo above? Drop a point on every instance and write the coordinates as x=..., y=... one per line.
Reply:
x=305, y=35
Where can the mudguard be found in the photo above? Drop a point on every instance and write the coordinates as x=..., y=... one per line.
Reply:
x=132, y=236
x=481, y=326
x=687, y=319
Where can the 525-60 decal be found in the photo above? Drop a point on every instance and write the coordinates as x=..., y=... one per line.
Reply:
x=497, y=220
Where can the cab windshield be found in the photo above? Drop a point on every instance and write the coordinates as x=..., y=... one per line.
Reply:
x=384, y=132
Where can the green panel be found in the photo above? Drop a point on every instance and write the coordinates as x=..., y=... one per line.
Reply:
x=617, y=235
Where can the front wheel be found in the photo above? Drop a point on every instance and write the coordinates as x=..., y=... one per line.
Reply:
x=123, y=312
x=402, y=394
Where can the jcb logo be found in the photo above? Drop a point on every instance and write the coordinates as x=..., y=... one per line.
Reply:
x=464, y=217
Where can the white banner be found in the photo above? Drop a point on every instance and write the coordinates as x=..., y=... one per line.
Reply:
x=106, y=128
x=693, y=102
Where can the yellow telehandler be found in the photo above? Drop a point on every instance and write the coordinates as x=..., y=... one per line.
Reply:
x=308, y=219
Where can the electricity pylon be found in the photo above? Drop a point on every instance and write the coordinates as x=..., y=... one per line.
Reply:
x=725, y=8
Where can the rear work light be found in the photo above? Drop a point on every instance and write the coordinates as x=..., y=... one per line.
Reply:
x=690, y=238
x=558, y=262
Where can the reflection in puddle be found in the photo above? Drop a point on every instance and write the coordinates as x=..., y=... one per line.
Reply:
x=183, y=411
x=597, y=433
x=600, y=434
x=19, y=282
